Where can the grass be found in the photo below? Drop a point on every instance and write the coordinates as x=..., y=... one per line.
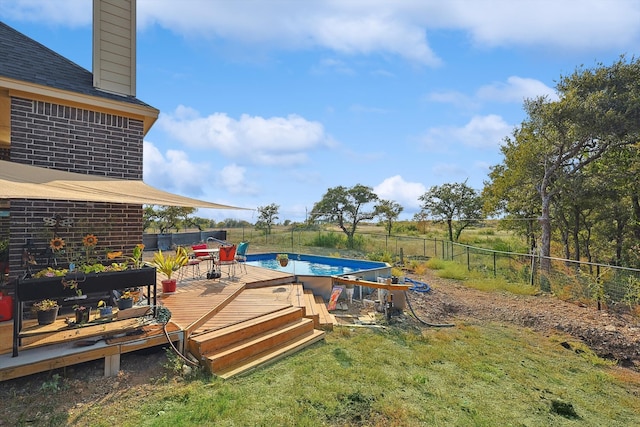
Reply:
x=476, y=279
x=469, y=375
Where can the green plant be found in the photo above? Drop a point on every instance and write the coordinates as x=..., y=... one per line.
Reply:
x=4, y=250
x=53, y=384
x=44, y=305
x=168, y=264
x=136, y=259
x=51, y=272
x=282, y=256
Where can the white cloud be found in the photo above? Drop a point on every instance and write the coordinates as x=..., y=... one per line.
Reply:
x=480, y=132
x=173, y=171
x=516, y=89
x=402, y=28
x=359, y=27
x=457, y=99
x=281, y=141
x=397, y=189
x=70, y=13
x=232, y=178
x=569, y=24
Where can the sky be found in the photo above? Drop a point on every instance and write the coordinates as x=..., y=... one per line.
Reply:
x=276, y=101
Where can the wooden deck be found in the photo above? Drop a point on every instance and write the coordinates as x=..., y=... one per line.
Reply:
x=250, y=301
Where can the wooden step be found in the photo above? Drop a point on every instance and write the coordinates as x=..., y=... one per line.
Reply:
x=311, y=308
x=327, y=320
x=272, y=355
x=216, y=340
x=263, y=343
x=297, y=297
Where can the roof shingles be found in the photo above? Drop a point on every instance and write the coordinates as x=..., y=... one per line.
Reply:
x=22, y=58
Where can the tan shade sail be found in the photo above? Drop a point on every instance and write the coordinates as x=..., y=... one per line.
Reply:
x=18, y=181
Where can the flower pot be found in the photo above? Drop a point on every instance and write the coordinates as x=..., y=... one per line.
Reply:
x=283, y=262
x=47, y=317
x=123, y=304
x=136, y=296
x=106, y=311
x=82, y=315
x=6, y=307
x=168, y=286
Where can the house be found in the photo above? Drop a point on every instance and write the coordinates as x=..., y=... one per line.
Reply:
x=58, y=115
x=71, y=146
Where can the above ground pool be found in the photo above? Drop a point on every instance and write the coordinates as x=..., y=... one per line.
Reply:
x=312, y=265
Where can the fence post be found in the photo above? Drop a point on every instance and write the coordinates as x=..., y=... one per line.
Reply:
x=494, y=265
x=468, y=259
x=598, y=284
x=533, y=267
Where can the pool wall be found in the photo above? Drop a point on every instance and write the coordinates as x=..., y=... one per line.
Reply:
x=323, y=285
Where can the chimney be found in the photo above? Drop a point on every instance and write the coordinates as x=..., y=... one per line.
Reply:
x=114, y=46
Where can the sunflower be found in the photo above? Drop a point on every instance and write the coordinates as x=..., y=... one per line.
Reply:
x=56, y=243
x=89, y=240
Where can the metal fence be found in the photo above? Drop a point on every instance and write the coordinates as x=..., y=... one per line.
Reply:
x=577, y=281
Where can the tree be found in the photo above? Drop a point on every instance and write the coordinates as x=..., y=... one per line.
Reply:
x=421, y=219
x=267, y=217
x=451, y=202
x=389, y=211
x=598, y=111
x=346, y=207
x=166, y=218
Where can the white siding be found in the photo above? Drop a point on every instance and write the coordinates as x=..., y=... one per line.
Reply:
x=114, y=46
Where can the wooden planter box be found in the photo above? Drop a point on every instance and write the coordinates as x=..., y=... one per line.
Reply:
x=52, y=288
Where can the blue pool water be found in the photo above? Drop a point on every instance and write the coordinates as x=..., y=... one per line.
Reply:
x=312, y=265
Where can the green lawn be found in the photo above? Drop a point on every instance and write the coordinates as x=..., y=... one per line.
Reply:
x=469, y=375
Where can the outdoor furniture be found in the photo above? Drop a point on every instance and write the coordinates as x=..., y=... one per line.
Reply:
x=241, y=254
x=194, y=263
x=227, y=256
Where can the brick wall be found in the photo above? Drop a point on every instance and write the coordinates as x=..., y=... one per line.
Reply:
x=74, y=140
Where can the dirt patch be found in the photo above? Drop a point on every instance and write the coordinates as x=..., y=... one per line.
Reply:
x=611, y=335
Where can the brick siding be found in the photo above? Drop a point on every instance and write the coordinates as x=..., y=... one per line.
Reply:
x=74, y=140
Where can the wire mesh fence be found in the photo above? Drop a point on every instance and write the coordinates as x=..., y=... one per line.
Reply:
x=577, y=281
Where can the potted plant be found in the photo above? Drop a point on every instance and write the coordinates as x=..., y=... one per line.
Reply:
x=105, y=310
x=136, y=258
x=46, y=310
x=125, y=301
x=167, y=265
x=82, y=314
x=283, y=259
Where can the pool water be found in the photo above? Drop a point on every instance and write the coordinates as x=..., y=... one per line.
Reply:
x=312, y=265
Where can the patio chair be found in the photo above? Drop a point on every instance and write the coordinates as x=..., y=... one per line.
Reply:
x=241, y=254
x=192, y=262
x=227, y=256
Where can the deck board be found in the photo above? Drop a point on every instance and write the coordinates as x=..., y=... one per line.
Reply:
x=198, y=303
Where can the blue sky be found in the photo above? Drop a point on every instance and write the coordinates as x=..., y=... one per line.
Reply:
x=277, y=101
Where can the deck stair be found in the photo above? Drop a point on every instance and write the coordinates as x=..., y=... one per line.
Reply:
x=245, y=346
x=314, y=307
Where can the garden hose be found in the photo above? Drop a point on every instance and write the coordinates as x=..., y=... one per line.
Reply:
x=433, y=325
x=163, y=315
